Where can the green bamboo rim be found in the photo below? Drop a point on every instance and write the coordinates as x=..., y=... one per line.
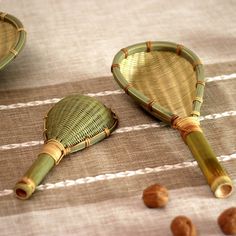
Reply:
x=20, y=42
x=157, y=110
x=97, y=138
x=93, y=140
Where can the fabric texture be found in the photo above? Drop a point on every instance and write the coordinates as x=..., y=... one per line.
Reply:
x=70, y=47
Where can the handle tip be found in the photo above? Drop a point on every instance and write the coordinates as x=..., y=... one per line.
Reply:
x=222, y=187
x=24, y=189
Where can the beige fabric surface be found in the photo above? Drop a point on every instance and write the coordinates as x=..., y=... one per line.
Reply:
x=98, y=191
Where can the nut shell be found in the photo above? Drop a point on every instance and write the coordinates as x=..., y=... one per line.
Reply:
x=227, y=221
x=183, y=226
x=155, y=196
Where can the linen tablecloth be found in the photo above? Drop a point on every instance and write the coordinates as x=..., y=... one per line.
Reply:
x=70, y=47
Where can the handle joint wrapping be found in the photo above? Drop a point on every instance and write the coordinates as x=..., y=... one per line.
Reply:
x=186, y=125
x=55, y=149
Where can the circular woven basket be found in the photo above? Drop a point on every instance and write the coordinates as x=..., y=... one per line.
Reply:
x=12, y=38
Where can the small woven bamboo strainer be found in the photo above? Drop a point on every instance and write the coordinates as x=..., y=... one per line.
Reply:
x=74, y=123
x=167, y=80
x=12, y=38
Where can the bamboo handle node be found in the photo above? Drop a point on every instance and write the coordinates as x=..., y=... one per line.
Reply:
x=33, y=177
x=216, y=176
x=52, y=152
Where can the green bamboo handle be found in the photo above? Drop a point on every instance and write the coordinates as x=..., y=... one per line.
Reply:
x=33, y=177
x=218, y=179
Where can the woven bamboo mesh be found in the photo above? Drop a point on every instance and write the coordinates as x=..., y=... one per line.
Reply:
x=12, y=38
x=8, y=38
x=164, y=77
x=76, y=118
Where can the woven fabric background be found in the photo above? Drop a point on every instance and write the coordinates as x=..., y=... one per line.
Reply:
x=70, y=47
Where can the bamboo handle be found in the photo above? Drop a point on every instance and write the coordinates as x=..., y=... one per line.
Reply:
x=52, y=152
x=33, y=177
x=216, y=176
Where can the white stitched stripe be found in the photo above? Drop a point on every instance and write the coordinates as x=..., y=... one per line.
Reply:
x=139, y=127
x=99, y=94
x=20, y=145
x=122, y=130
x=122, y=174
x=220, y=77
x=55, y=100
x=217, y=115
x=105, y=93
x=29, y=104
x=6, y=192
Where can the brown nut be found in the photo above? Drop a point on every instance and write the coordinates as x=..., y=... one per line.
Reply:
x=227, y=221
x=155, y=196
x=182, y=226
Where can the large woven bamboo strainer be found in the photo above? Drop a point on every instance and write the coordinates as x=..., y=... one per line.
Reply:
x=167, y=80
x=12, y=38
x=74, y=123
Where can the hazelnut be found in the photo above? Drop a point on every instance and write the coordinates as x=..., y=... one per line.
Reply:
x=182, y=226
x=227, y=221
x=155, y=196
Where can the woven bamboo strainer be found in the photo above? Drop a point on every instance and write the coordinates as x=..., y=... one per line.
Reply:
x=74, y=123
x=12, y=38
x=167, y=80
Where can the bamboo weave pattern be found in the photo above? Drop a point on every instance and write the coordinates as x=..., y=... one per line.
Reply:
x=76, y=118
x=12, y=38
x=154, y=73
